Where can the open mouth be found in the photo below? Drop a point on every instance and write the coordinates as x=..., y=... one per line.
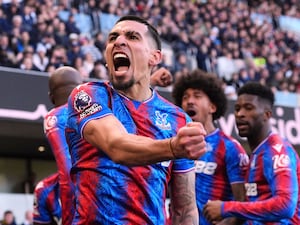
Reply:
x=241, y=125
x=191, y=113
x=121, y=62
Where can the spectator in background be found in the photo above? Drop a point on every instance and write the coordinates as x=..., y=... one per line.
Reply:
x=220, y=172
x=61, y=34
x=71, y=26
x=12, y=9
x=8, y=218
x=28, y=17
x=100, y=41
x=27, y=64
x=73, y=37
x=59, y=56
x=78, y=65
x=74, y=51
x=23, y=41
x=28, y=218
x=88, y=62
x=39, y=30
x=92, y=9
x=226, y=66
x=87, y=46
x=46, y=205
x=28, y=51
x=181, y=66
x=99, y=71
x=209, y=30
x=27, y=60
x=40, y=58
x=5, y=47
x=4, y=26
x=48, y=41
x=294, y=80
x=50, y=68
x=243, y=77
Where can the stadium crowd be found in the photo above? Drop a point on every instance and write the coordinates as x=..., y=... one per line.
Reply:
x=236, y=40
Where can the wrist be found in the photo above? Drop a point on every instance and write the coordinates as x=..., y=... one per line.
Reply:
x=171, y=147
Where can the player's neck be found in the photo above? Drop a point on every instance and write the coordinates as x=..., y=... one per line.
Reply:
x=137, y=94
x=257, y=138
x=209, y=127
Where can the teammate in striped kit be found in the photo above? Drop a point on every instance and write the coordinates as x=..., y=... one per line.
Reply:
x=220, y=172
x=61, y=83
x=47, y=207
x=122, y=136
x=274, y=171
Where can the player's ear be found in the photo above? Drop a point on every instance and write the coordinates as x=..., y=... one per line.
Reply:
x=213, y=108
x=268, y=114
x=51, y=97
x=155, y=58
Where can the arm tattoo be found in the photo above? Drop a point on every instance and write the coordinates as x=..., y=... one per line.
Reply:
x=183, y=199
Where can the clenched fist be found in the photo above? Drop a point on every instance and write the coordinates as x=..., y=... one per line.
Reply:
x=189, y=141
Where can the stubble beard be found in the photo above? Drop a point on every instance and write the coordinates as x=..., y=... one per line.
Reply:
x=122, y=86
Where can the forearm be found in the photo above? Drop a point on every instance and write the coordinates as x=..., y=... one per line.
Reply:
x=183, y=200
x=109, y=135
x=274, y=208
x=139, y=150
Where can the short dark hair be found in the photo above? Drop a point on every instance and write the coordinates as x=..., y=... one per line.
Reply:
x=152, y=30
x=258, y=89
x=206, y=82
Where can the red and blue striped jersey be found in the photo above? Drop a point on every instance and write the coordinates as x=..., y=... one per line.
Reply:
x=47, y=206
x=110, y=193
x=224, y=163
x=272, y=185
x=54, y=128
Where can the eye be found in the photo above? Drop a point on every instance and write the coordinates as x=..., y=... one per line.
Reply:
x=248, y=107
x=198, y=96
x=132, y=36
x=112, y=37
x=184, y=97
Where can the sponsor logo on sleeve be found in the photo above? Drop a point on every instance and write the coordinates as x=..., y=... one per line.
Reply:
x=83, y=104
x=50, y=122
x=82, y=101
x=281, y=161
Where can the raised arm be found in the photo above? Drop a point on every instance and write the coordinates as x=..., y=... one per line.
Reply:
x=161, y=77
x=109, y=135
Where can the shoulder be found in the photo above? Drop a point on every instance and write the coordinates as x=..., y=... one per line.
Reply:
x=46, y=182
x=279, y=145
x=89, y=87
x=53, y=117
x=230, y=142
x=168, y=106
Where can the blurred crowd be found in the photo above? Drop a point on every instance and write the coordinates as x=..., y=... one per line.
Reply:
x=9, y=218
x=237, y=40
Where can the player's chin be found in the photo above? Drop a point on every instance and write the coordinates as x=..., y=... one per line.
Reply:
x=243, y=132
